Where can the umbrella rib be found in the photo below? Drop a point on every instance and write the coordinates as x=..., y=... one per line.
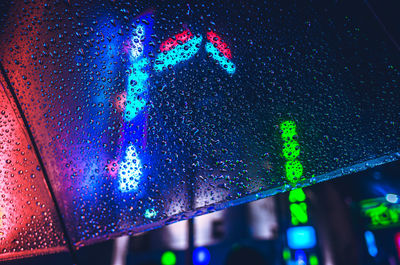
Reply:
x=37, y=153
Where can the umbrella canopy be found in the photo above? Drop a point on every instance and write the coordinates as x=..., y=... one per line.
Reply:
x=119, y=117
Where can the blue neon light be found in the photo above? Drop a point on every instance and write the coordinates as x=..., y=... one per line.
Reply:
x=130, y=170
x=201, y=256
x=301, y=237
x=224, y=62
x=371, y=244
x=179, y=54
x=300, y=257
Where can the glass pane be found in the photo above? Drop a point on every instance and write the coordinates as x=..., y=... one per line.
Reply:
x=28, y=221
x=146, y=114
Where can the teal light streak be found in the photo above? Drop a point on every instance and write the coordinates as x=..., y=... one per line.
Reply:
x=224, y=62
x=137, y=85
x=179, y=54
x=150, y=213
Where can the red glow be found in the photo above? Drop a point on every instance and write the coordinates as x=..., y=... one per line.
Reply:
x=120, y=101
x=221, y=46
x=397, y=242
x=178, y=39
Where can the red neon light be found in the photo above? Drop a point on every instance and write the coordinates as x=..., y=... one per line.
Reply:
x=397, y=242
x=221, y=46
x=178, y=39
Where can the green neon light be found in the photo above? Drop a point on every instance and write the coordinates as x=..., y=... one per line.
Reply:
x=291, y=150
x=297, y=195
x=286, y=254
x=288, y=129
x=168, y=258
x=381, y=214
x=299, y=213
x=294, y=171
x=314, y=260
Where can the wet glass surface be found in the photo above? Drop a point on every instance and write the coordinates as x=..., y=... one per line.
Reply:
x=146, y=115
x=29, y=224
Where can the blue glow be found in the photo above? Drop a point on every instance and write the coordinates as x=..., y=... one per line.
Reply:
x=224, y=62
x=201, y=256
x=137, y=79
x=134, y=130
x=371, y=244
x=179, y=54
x=392, y=198
x=300, y=257
x=130, y=170
x=301, y=237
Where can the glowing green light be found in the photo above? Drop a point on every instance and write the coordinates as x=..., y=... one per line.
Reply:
x=382, y=215
x=288, y=129
x=286, y=254
x=297, y=195
x=380, y=212
x=314, y=260
x=291, y=150
x=299, y=213
x=168, y=258
x=294, y=171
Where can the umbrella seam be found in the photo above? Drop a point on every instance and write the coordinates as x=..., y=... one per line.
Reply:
x=45, y=175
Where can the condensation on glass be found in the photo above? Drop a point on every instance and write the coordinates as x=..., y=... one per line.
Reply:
x=150, y=114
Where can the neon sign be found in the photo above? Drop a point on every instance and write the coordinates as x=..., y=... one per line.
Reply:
x=298, y=212
x=294, y=172
x=291, y=150
x=380, y=213
x=178, y=39
x=298, y=237
x=130, y=169
x=224, y=62
x=219, y=44
x=297, y=195
x=301, y=237
x=179, y=53
x=182, y=47
x=185, y=45
x=220, y=52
